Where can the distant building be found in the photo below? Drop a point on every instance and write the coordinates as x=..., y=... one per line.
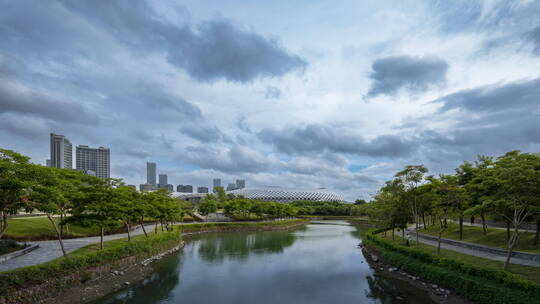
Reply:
x=184, y=188
x=169, y=187
x=94, y=161
x=217, y=182
x=202, y=189
x=151, y=173
x=240, y=183
x=231, y=187
x=61, y=152
x=145, y=187
x=162, y=181
x=48, y=163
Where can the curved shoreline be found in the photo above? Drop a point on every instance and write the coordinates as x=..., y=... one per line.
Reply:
x=119, y=274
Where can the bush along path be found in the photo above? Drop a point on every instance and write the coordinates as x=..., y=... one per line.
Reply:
x=88, y=273
x=478, y=284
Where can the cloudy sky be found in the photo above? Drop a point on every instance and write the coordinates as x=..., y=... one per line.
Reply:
x=301, y=94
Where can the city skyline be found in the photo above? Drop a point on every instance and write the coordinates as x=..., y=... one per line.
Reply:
x=337, y=96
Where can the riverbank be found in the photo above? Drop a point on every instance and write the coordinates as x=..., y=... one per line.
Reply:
x=436, y=293
x=89, y=274
x=476, y=283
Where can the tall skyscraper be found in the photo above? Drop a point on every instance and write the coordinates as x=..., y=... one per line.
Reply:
x=217, y=182
x=94, y=161
x=61, y=152
x=151, y=175
x=163, y=179
x=240, y=183
x=202, y=189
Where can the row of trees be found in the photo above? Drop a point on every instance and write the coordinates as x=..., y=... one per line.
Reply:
x=326, y=208
x=78, y=199
x=506, y=189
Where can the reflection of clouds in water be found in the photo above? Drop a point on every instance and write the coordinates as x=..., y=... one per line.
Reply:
x=318, y=264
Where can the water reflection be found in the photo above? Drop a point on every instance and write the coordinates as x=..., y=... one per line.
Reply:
x=317, y=264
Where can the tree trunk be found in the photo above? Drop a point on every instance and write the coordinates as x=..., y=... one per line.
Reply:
x=58, y=233
x=537, y=232
x=511, y=244
x=417, y=232
x=101, y=238
x=128, y=232
x=393, y=236
x=403, y=235
x=161, y=225
x=143, y=229
x=507, y=231
x=461, y=227
x=484, y=226
x=61, y=226
x=472, y=220
x=439, y=242
x=424, y=220
x=155, y=230
x=5, y=224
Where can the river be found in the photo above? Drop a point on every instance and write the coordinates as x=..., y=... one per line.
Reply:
x=318, y=263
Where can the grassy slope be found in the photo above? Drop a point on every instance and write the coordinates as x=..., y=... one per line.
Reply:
x=494, y=237
x=529, y=272
x=41, y=228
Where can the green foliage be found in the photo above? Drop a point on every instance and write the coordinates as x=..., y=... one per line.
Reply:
x=479, y=284
x=325, y=208
x=208, y=204
x=243, y=209
x=83, y=259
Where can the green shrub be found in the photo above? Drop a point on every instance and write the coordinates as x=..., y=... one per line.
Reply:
x=37, y=274
x=483, y=285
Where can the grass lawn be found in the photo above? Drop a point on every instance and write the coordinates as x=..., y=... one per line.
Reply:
x=494, y=237
x=40, y=228
x=528, y=272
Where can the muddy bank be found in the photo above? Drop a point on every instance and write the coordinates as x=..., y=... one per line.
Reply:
x=438, y=294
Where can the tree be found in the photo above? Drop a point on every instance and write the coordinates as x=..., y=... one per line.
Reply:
x=208, y=205
x=516, y=178
x=411, y=177
x=14, y=182
x=477, y=189
x=97, y=207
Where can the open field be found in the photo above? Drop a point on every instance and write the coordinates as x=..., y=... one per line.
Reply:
x=494, y=237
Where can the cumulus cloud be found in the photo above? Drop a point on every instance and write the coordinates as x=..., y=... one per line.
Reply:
x=17, y=99
x=272, y=93
x=214, y=50
x=414, y=74
x=320, y=138
x=534, y=37
x=229, y=160
x=202, y=133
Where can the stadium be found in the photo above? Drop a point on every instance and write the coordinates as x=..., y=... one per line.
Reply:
x=284, y=195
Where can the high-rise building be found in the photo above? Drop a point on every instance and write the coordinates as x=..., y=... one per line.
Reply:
x=163, y=179
x=202, y=189
x=184, y=188
x=94, y=161
x=240, y=183
x=145, y=187
x=61, y=152
x=151, y=173
x=231, y=186
x=48, y=163
x=217, y=182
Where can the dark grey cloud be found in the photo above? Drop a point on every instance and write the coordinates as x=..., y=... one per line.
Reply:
x=237, y=159
x=219, y=50
x=202, y=133
x=497, y=97
x=214, y=50
x=14, y=99
x=415, y=74
x=272, y=93
x=534, y=37
x=320, y=138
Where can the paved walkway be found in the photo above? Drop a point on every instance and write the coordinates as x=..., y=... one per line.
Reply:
x=50, y=250
x=473, y=252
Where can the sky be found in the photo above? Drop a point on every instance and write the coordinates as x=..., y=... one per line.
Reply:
x=298, y=94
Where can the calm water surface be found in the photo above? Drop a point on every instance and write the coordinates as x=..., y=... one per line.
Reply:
x=319, y=263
